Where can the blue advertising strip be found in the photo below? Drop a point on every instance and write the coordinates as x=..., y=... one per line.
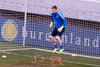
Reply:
x=76, y=39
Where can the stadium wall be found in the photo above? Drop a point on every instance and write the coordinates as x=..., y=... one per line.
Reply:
x=78, y=9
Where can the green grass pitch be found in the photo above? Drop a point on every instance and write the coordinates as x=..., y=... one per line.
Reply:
x=24, y=58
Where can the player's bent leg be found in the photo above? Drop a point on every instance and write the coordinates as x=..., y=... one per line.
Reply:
x=54, y=43
x=52, y=40
x=60, y=42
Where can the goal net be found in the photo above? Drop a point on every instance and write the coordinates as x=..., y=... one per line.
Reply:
x=24, y=25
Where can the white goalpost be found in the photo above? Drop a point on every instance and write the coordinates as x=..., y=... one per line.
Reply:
x=25, y=21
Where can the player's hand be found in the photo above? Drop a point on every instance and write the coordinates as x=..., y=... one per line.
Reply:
x=51, y=24
x=60, y=29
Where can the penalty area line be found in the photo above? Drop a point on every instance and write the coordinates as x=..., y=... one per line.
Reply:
x=66, y=53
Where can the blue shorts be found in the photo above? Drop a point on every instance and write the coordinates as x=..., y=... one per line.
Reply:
x=56, y=33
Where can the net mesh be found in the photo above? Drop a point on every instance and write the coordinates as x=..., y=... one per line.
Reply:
x=80, y=36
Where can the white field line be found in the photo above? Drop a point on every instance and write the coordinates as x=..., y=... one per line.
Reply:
x=49, y=59
x=66, y=53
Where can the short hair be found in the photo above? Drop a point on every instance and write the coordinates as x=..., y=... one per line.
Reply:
x=54, y=7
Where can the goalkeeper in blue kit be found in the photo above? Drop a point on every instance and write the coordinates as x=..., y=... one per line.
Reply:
x=60, y=23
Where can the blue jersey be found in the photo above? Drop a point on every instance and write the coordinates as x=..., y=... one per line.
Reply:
x=58, y=19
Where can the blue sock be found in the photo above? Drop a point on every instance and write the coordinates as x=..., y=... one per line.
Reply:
x=61, y=47
x=56, y=46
